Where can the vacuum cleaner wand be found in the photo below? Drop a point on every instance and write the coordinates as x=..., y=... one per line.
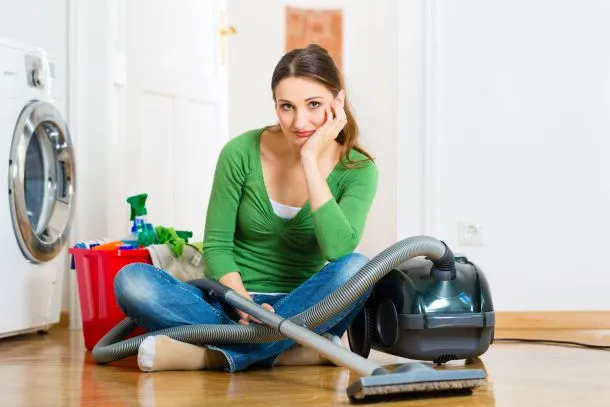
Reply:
x=376, y=379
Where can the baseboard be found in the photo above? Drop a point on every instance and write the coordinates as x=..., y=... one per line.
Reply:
x=518, y=319
x=553, y=320
x=64, y=318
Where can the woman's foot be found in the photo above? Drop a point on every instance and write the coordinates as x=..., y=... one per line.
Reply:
x=164, y=353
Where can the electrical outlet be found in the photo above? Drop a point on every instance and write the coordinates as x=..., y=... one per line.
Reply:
x=470, y=234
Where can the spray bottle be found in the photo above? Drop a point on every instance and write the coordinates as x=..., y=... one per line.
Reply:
x=142, y=233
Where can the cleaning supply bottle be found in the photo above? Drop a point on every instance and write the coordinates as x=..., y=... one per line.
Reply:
x=184, y=234
x=142, y=233
x=114, y=245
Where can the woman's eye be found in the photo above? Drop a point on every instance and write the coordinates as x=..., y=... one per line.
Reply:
x=286, y=106
x=314, y=105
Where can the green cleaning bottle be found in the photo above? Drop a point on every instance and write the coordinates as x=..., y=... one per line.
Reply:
x=142, y=233
x=184, y=234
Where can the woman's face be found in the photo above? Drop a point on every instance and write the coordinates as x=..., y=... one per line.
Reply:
x=300, y=105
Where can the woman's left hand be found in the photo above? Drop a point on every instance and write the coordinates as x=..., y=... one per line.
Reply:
x=327, y=133
x=245, y=319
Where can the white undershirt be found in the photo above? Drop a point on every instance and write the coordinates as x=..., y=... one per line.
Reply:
x=284, y=211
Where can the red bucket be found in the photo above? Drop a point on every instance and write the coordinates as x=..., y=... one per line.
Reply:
x=95, y=271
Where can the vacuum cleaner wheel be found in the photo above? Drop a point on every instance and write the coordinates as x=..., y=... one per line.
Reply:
x=360, y=332
x=387, y=322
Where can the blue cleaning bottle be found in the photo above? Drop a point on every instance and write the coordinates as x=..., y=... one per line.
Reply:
x=142, y=233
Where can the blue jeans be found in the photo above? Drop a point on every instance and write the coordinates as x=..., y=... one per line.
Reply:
x=156, y=300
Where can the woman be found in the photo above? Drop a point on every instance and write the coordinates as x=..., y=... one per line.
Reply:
x=287, y=209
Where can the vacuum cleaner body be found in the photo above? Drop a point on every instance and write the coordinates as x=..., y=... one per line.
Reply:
x=416, y=313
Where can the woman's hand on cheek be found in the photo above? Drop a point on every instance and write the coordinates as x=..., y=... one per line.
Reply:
x=335, y=120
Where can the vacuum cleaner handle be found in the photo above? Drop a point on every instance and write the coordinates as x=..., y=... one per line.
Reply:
x=338, y=354
x=232, y=297
x=211, y=287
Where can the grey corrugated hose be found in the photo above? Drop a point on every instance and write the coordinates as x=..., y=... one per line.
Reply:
x=111, y=348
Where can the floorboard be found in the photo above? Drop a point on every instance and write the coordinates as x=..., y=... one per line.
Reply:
x=54, y=369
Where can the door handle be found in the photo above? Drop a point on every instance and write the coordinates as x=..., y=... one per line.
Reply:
x=224, y=32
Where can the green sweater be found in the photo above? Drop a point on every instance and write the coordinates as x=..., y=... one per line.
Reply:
x=242, y=233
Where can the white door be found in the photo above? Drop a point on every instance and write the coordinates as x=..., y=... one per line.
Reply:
x=170, y=109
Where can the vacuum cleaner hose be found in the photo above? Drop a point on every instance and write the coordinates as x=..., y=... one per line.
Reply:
x=111, y=347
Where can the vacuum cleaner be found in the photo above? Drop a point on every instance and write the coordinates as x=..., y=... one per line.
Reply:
x=418, y=311
x=446, y=281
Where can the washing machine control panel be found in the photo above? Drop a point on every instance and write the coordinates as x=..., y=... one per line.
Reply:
x=34, y=72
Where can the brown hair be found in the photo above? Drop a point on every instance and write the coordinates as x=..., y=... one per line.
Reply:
x=315, y=63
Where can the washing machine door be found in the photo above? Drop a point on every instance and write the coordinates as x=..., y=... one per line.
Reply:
x=41, y=182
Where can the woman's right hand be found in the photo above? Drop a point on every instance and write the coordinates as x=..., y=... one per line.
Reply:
x=233, y=280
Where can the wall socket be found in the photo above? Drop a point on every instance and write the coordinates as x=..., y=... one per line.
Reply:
x=470, y=234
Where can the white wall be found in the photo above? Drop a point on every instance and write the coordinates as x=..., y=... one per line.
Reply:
x=369, y=67
x=90, y=117
x=41, y=23
x=515, y=136
x=487, y=112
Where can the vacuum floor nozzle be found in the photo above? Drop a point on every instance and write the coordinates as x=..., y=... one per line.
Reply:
x=414, y=378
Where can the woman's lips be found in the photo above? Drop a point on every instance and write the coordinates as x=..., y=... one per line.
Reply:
x=303, y=133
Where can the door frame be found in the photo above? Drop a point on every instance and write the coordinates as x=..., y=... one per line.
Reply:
x=89, y=67
x=417, y=158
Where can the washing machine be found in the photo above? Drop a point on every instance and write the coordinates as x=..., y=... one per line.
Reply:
x=38, y=179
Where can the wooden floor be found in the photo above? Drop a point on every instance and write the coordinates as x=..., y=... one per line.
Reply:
x=55, y=370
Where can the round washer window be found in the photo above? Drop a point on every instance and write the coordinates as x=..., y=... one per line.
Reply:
x=34, y=181
x=41, y=182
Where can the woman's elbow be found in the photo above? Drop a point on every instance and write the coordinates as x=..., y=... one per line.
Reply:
x=335, y=252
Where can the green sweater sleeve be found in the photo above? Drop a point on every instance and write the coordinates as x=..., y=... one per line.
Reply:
x=339, y=224
x=221, y=216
